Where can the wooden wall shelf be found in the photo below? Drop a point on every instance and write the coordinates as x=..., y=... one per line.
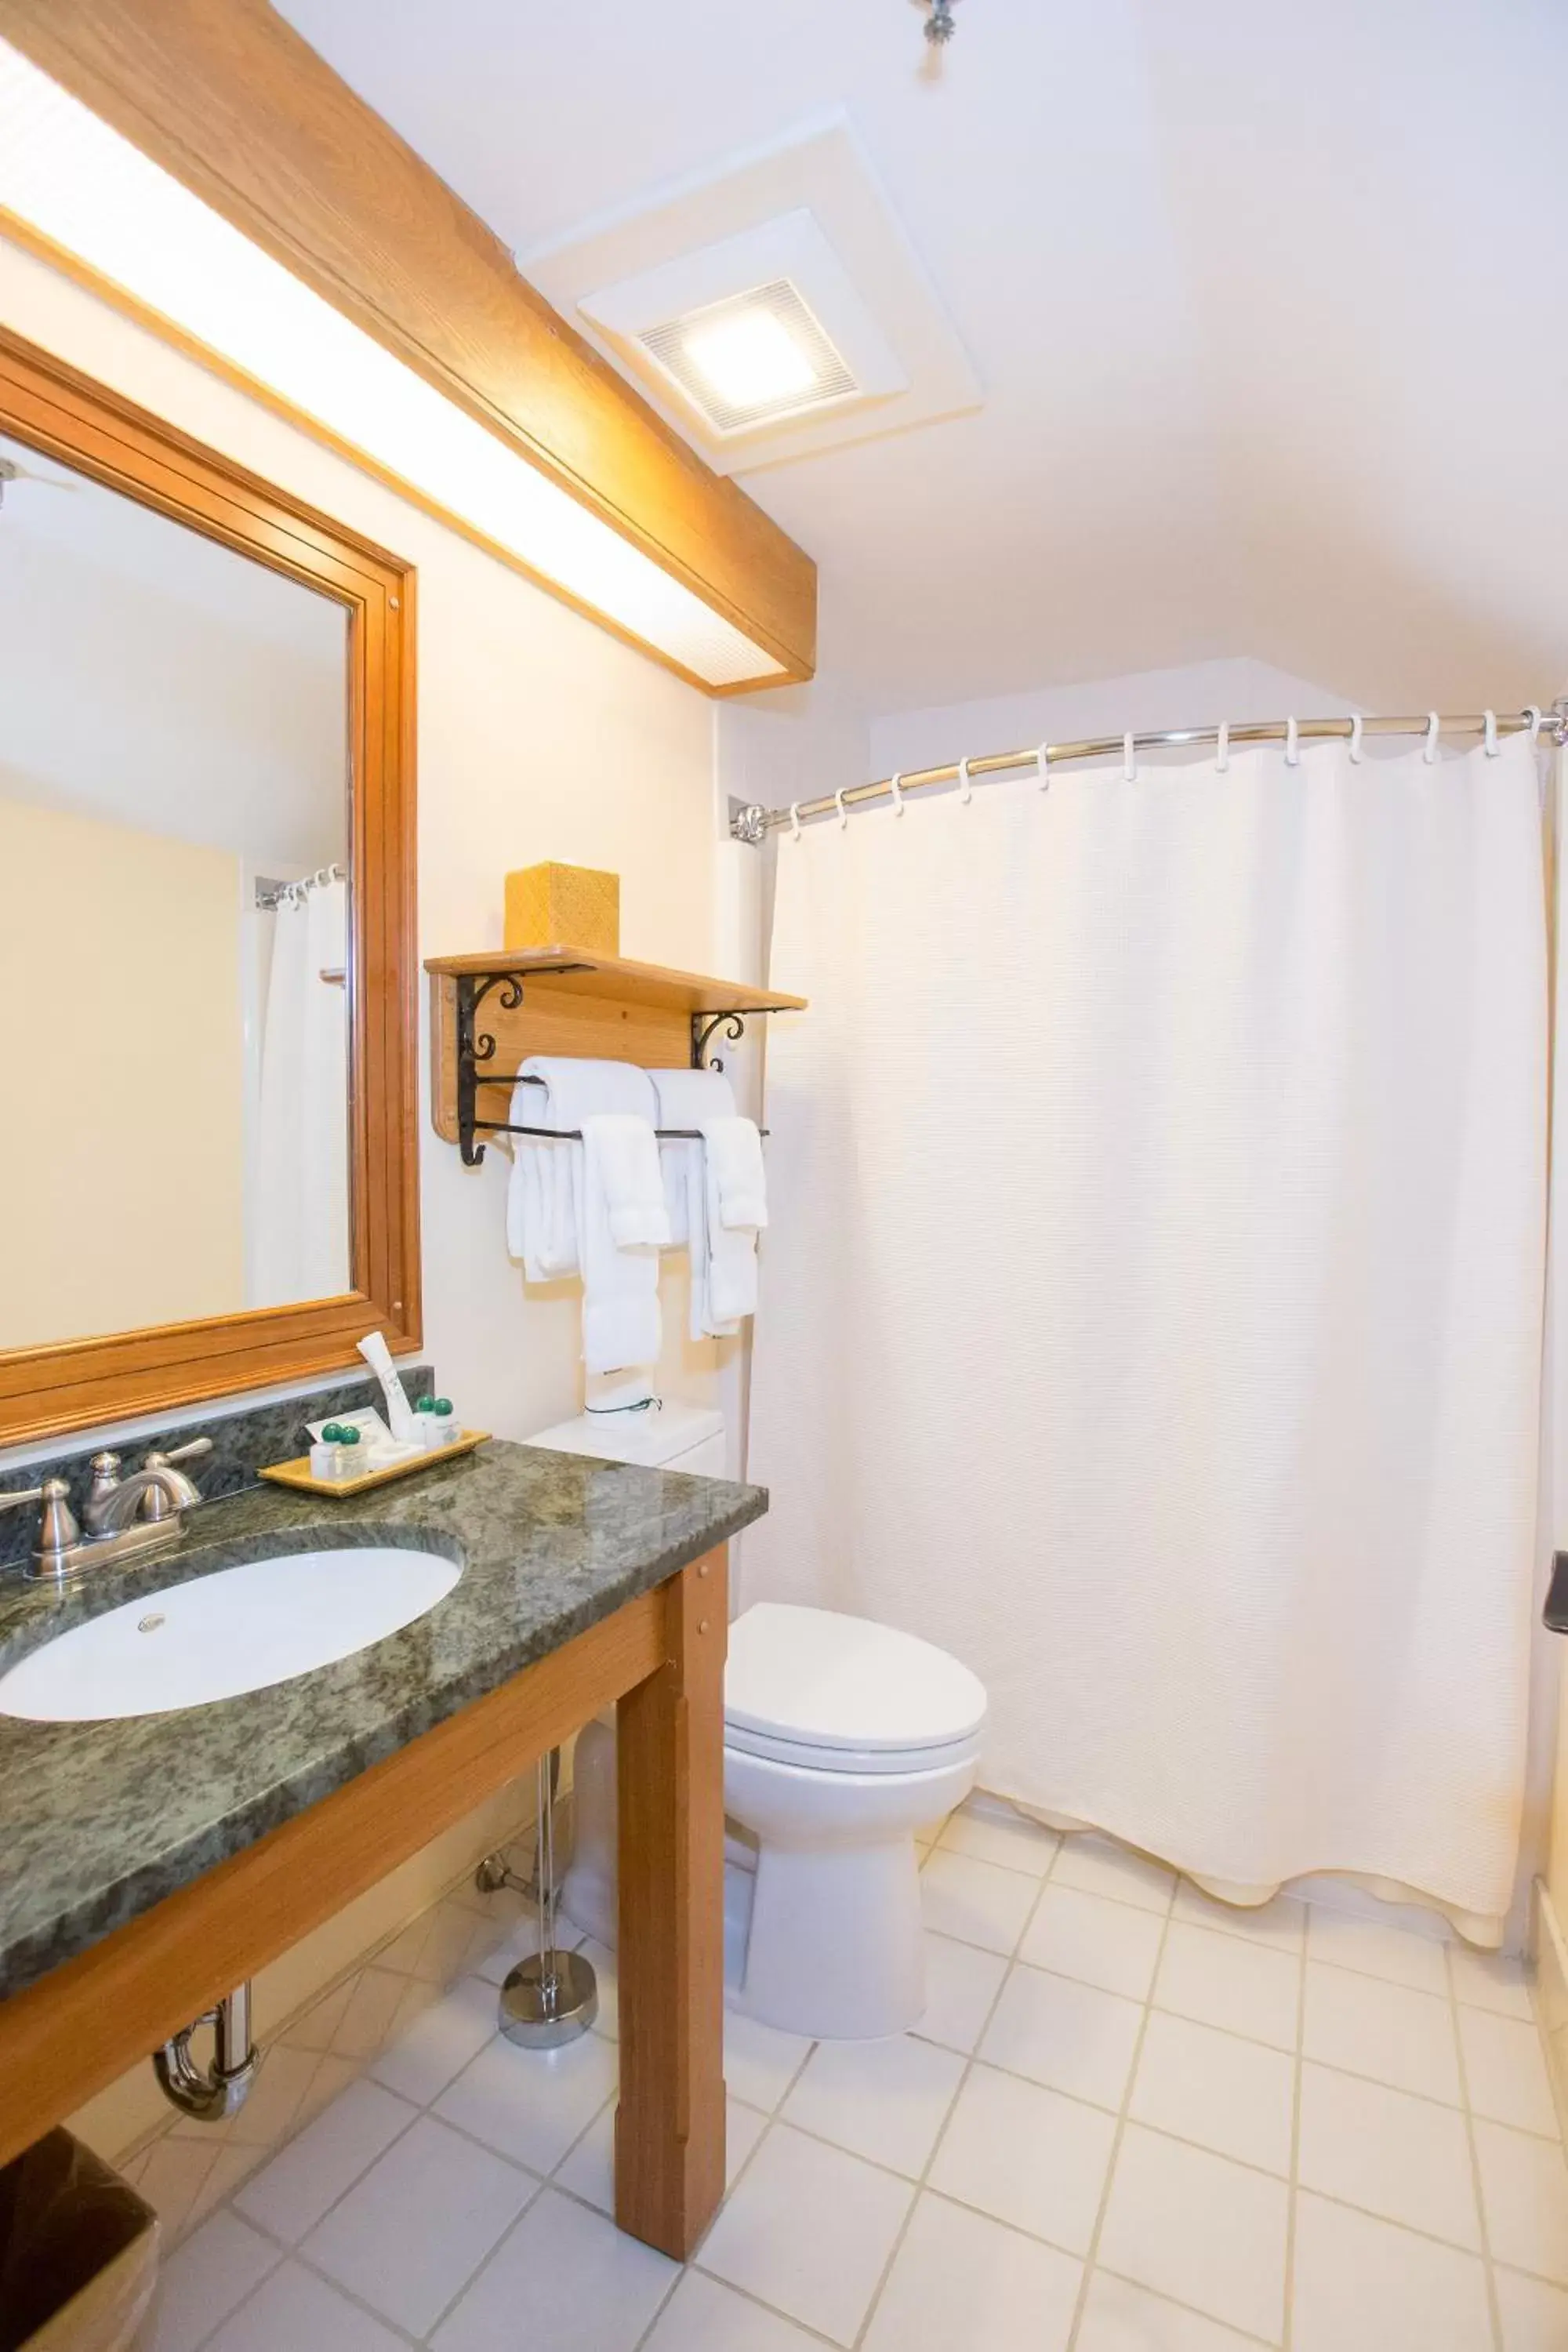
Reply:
x=568, y=1000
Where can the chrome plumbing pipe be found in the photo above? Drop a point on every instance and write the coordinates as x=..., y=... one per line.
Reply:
x=215, y=2093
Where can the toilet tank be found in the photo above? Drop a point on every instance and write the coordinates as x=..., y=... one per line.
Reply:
x=665, y=1436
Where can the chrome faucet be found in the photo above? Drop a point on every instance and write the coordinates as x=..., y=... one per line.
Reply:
x=156, y=1495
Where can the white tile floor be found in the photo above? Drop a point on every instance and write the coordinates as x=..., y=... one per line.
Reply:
x=1131, y=2122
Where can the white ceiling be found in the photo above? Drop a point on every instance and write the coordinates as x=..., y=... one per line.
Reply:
x=1265, y=298
x=154, y=679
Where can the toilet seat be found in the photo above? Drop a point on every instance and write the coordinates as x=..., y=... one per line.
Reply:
x=807, y=1758
x=831, y=1692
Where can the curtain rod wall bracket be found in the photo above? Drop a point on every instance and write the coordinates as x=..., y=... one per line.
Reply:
x=748, y=821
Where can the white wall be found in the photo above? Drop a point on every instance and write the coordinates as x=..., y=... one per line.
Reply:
x=539, y=737
x=1199, y=695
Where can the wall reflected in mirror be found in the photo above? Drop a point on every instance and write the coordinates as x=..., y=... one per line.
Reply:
x=175, y=940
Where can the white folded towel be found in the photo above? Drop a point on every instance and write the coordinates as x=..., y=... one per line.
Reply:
x=621, y=1321
x=686, y=1097
x=627, y=1160
x=559, y=1200
x=718, y=1196
x=735, y=1159
x=541, y=1219
x=730, y=1283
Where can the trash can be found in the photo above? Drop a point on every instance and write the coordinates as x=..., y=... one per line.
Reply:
x=78, y=2253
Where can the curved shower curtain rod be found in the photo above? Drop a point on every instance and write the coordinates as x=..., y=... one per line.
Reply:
x=753, y=824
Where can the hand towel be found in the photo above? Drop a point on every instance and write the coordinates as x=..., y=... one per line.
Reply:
x=621, y=1321
x=732, y=1266
x=686, y=1099
x=735, y=1151
x=558, y=1217
x=541, y=1219
x=627, y=1155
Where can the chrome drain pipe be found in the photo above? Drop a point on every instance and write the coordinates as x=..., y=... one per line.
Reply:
x=213, y=2094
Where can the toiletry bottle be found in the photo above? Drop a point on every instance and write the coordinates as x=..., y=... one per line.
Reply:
x=449, y=1429
x=324, y=1451
x=349, y=1463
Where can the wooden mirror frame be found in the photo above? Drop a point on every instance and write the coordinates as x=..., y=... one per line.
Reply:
x=74, y=1382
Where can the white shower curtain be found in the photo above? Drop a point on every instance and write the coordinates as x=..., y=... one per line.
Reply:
x=1150, y=1310
x=300, y=1195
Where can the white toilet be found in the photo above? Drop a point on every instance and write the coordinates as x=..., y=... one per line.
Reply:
x=841, y=1738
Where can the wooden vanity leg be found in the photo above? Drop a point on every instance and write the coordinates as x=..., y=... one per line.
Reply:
x=669, y=2125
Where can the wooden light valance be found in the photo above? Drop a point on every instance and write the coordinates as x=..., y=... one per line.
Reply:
x=229, y=99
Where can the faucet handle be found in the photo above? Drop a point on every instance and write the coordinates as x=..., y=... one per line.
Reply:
x=158, y=1502
x=58, y=1529
x=105, y=1468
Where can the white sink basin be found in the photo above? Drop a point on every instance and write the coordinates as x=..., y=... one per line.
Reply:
x=238, y=1630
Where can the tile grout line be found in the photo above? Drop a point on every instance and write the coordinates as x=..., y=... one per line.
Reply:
x=695, y=2262
x=922, y=2184
x=971, y=2059
x=1091, y=2251
x=1494, y=2308
x=1292, y=2194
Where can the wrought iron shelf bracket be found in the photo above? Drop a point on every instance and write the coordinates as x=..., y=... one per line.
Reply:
x=477, y=1048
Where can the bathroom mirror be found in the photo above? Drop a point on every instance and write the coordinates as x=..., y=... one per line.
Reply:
x=205, y=901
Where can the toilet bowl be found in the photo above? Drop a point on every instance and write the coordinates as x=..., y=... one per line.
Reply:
x=841, y=1739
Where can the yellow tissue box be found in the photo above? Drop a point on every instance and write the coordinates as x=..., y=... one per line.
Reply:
x=563, y=906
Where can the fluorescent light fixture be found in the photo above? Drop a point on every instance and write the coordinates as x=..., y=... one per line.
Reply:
x=76, y=182
x=750, y=360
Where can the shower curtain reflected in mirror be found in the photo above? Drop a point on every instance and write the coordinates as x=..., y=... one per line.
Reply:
x=1151, y=1308
x=301, y=1188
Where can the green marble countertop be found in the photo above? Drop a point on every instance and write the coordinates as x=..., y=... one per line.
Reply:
x=100, y=1821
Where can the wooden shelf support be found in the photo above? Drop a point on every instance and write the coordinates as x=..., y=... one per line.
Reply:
x=573, y=1001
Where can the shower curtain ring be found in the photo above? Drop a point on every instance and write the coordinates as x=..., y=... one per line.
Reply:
x=965, y=788
x=1533, y=712
x=1042, y=761
x=1355, y=741
x=794, y=819
x=1488, y=733
x=896, y=786
x=1430, y=751
x=1129, y=760
x=843, y=811
x=1292, y=744
x=1221, y=748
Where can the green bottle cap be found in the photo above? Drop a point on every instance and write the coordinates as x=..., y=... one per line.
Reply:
x=348, y=1437
x=331, y=1434
x=443, y=1406
x=424, y=1404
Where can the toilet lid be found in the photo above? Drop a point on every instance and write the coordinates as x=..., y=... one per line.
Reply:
x=821, y=1680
